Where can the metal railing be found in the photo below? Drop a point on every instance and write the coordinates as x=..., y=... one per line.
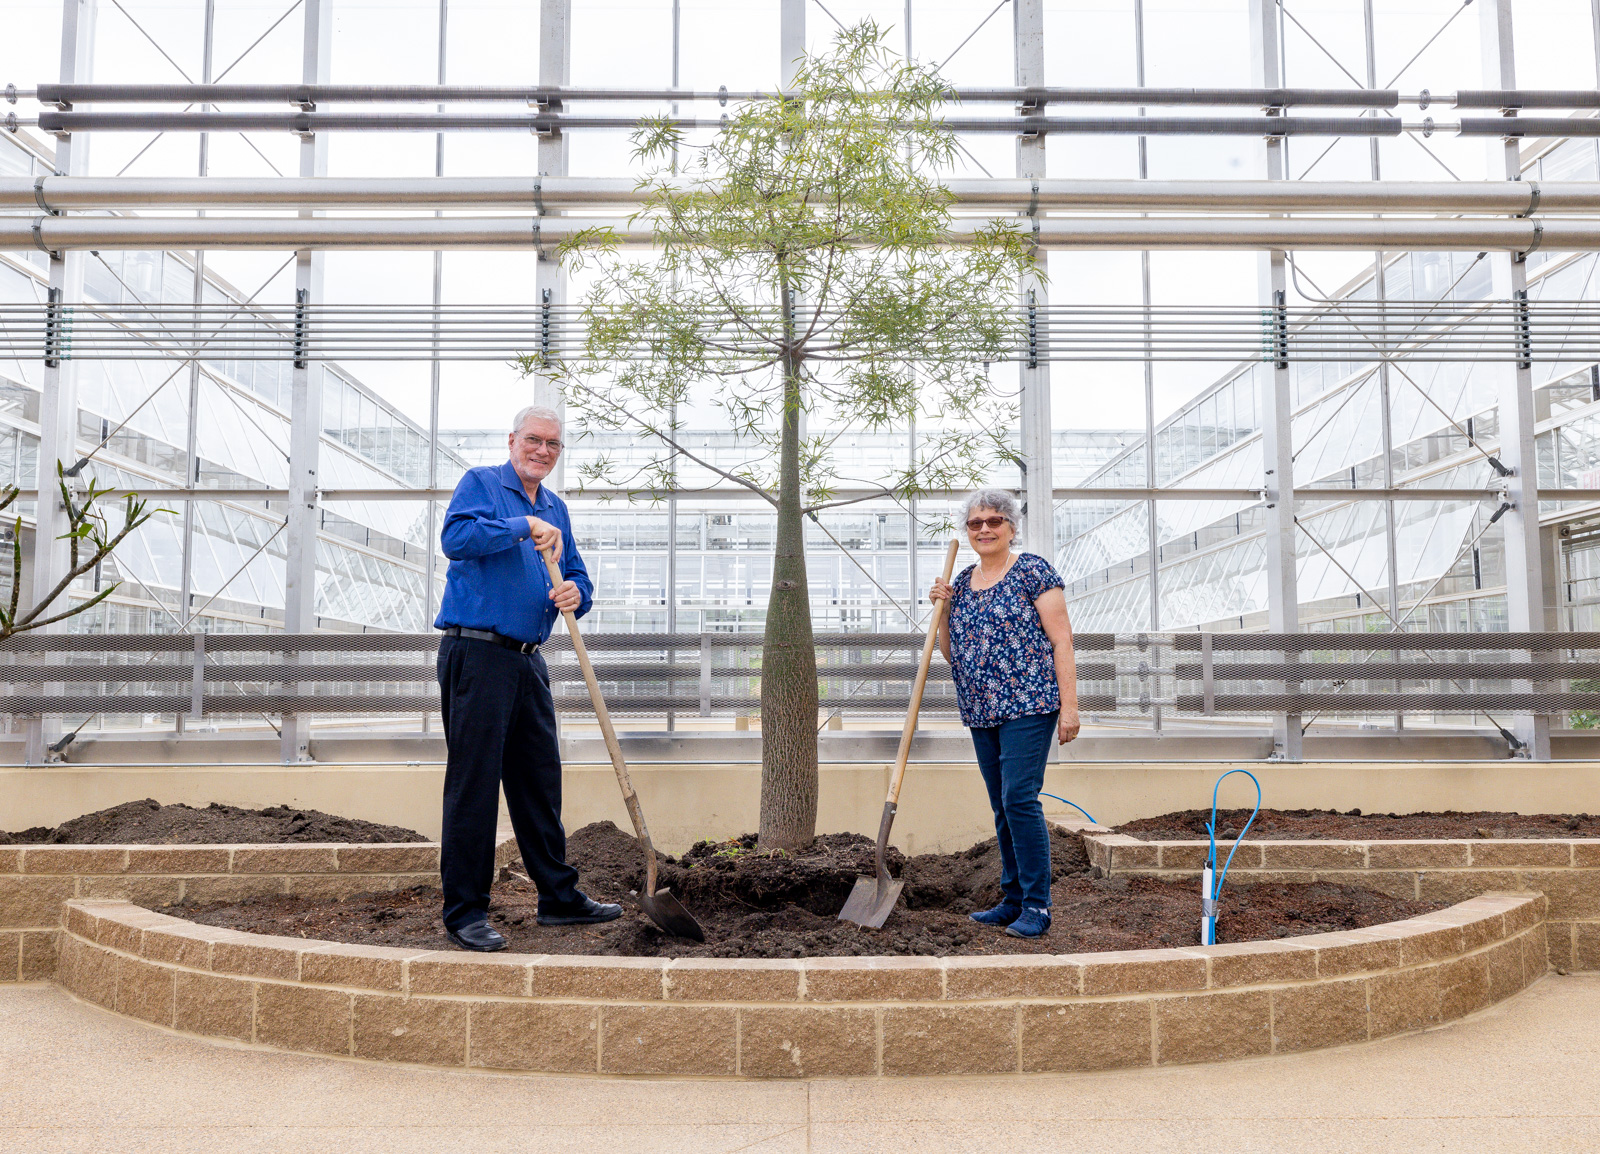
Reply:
x=1198, y=674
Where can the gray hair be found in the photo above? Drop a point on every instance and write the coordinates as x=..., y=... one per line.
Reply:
x=999, y=500
x=537, y=413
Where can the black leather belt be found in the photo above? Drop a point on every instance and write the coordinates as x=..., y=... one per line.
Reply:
x=495, y=638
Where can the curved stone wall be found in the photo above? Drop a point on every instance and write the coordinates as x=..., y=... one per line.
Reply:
x=803, y=1018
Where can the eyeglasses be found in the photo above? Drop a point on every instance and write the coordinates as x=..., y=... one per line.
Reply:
x=533, y=444
x=992, y=522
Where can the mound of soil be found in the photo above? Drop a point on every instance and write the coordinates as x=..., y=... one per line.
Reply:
x=753, y=905
x=1353, y=825
x=148, y=822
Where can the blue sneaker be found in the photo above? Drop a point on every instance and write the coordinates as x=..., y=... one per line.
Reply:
x=1002, y=915
x=1033, y=922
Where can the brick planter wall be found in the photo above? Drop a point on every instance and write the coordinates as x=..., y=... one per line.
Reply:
x=820, y=1016
x=1567, y=872
x=36, y=880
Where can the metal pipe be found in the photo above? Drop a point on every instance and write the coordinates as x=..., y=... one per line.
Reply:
x=312, y=122
x=86, y=193
x=458, y=93
x=20, y=234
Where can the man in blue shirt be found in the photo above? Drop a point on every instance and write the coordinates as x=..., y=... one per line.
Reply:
x=494, y=687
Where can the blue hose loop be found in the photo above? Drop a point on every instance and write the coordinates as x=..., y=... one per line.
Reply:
x=1073, y=804
x=1211, y=828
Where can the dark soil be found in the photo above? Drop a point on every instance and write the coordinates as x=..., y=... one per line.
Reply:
x=1353, y=825
x=148, y=822
x=757, y=906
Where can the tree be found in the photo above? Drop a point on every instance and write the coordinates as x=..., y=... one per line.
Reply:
x=807, y=264
x=91, y=543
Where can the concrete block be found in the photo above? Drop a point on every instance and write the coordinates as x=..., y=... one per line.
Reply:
x=1073, y=1036
x=295, y=1017
x=1400, y=884
x=152, y=891
x=1428, y=940
x=807, y=1041
x=430, y=1030
x=199, y=891
x=89, y=971
x=74, y=859
x=1521, y=854
x=365, y=967
x=418, y=858
x=258, y=956
x=285, y=859
x=1503, y=967
x=1015, y=976
x=668, y=1039
x=486, y=975
x=183, y=945
x=572, y=976
x=38, y=956
x=1313, y=855
x=549, y=1037
x=1140, y=971
x=10, y=860
x=1213, y=1027
x=144, y=991
x=1259, y=963
x=213, y=1006
x=1323, y=1014
x=174, y=859
x=1459, y=885
x=1418, y=855
x=1574, y=895
x=32, y=902
x=730, y=980
x=874, y=979
x=950, y=1039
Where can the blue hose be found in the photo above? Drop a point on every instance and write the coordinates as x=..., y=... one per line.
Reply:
x=1073, y=804
x=1211, y=830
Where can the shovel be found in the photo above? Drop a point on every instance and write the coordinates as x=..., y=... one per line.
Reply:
x=662, y=907
x=873, y=899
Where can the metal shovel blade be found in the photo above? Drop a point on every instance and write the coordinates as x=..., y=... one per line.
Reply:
x=667, y=912
x=871, y=902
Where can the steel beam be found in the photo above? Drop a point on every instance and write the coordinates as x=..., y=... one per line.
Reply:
x=1277, y=402
x=1525, y=560
x=58, y=381
x=1038, y=509
x=305, y=404
x=19, y=234
x=588, y=193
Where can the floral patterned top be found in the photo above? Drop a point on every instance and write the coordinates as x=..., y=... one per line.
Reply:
x=1000, y=655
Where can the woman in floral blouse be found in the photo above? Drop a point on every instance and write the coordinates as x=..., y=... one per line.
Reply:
x=1009, y=645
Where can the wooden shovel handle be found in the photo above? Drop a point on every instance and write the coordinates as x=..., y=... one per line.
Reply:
x=939, y=610
x=629, y=798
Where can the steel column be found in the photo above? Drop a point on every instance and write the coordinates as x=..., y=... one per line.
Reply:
x=1277, y=404
x=1038, y=509
x=1526, y=607
x=305, y=404
x=431, y=565
x=58, y=401
x=550, y=279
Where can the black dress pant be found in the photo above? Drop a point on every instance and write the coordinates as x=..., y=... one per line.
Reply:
x=500, y=733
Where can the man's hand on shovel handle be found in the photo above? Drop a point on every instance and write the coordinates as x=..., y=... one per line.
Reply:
x=566, y=597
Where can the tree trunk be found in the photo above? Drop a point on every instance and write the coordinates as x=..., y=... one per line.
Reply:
x=789, y=659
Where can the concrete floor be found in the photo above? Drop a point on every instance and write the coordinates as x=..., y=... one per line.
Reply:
x=1521, y=1076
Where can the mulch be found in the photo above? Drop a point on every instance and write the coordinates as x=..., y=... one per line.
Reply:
x=755, y=905
x=148, y=822
x=1353, y=825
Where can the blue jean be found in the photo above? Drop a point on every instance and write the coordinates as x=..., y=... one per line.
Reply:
x=1012, y=757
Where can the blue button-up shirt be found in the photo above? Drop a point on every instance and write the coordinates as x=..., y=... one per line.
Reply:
x=497, y=578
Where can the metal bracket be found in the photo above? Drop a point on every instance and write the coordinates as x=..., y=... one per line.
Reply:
x=38, y=239
x=1533, y=200
x=1280, y=326
x=1523, y=327
x=55, y=333
x=1538, y=239
x=538, y=194
x=722, y=95
x=1208, y=686
x=544, y=329
x=301, y=299
x=11, y=93
x=1033, y=330
x=38, y=197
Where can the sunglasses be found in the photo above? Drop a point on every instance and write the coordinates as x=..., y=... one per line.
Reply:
x=979, y=522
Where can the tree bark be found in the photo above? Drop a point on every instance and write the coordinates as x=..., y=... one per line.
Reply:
x=789, y=656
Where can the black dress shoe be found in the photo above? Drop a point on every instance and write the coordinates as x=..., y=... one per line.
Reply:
x=585, y=913
x=479, y=936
